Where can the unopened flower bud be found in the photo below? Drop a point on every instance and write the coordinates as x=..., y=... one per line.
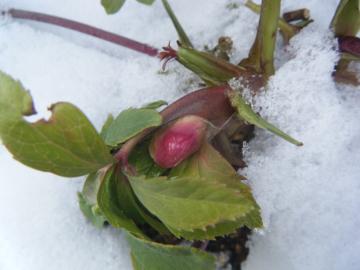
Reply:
x=177, y=141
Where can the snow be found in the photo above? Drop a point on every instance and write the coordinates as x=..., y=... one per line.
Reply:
x=309, y=196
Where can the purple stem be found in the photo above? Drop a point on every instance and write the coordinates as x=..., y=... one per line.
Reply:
x=350, y=45
x=84, y=28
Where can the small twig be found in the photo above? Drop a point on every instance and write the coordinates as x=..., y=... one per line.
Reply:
x=83, y=28
x=299, y=14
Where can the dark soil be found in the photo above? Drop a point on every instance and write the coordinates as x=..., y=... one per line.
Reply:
x=234, y=245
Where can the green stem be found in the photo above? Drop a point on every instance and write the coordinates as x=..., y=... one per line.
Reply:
x=253, y=6
x=261, y=57
x=286, y=29
x=184, y=39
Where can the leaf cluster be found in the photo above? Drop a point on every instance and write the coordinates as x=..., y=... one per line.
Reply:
x=200, y=199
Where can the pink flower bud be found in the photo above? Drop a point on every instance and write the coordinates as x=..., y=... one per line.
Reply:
x=177, y=141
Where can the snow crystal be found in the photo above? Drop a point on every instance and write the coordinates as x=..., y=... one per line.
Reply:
x=309, y=195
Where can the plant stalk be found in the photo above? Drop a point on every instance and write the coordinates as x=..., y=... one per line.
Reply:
x=261, y=57
x=85, y=29
x=184, y=39
x=286, y=29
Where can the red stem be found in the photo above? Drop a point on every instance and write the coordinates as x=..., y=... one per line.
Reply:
x=84, y=28
x=350, y=45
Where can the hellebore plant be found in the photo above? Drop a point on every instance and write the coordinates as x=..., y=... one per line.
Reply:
x=165, y=176
x=145, y=165
x=142, y=200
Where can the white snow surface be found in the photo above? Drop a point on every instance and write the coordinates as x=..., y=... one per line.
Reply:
x=309, y=195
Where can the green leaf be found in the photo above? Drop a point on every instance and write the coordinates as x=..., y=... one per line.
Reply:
x=246, y=113
x=92, y=185
x=251, y=220
x=106, y=126
x=154, y=256
x=109, y=202
x=125, y=198
x=132, y=207
x=346, y=21
x=155, y=105
x=87, y=199
x=184, y=39
x=129, y=123
x=91, y=211
x=112, y=6
x=67, y=144
x=207, y=163
x=190, y=203
x=118, y=202
x=210, y=165
x=146, y=2
x=140, y=158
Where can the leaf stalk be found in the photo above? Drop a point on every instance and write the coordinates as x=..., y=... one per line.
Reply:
x=85, y=29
